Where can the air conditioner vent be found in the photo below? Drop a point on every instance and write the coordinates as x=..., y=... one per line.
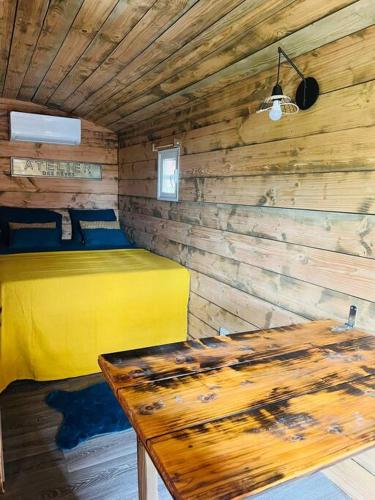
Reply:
x=31, y=127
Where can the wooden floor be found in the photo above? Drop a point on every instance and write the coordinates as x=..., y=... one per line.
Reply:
x=103, y=468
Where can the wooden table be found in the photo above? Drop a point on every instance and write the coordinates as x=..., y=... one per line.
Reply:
x=226, y=417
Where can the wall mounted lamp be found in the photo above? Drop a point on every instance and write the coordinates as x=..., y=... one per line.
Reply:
x=279, y=104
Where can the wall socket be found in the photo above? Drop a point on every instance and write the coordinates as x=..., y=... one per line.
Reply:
x=223, y=331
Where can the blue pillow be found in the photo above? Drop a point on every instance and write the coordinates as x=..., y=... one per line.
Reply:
x=32, y=239
x=88, y=215
x=105, y=238
x=20, y=214
x=103, y=234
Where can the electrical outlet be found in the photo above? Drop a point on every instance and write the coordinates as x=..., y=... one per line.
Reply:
x=223, y=331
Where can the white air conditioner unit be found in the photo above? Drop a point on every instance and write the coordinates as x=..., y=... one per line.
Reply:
x=30, y=127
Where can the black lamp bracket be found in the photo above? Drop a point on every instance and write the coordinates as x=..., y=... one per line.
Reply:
x=281, y=51
x=308, y=90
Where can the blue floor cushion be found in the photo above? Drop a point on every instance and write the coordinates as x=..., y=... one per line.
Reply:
x=87, y=413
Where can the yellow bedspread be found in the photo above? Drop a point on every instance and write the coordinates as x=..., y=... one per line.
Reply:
x=61, y=310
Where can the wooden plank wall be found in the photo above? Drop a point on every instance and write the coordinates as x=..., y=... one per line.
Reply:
x=276, y=220
x=98, y=145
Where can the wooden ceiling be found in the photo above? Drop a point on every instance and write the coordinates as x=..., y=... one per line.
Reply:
x=122, y=62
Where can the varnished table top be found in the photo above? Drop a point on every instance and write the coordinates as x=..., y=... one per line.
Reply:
x=227, y=417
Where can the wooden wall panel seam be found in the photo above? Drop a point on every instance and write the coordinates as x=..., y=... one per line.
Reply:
x=288, y=298
x=278, y=257
x=318, y=153
x=205, y=273
x=301, y=191
x=234, y=300
x=128, y=215
x=254, y=128
x=284, y=224
x=209, y=326
x=195, y=294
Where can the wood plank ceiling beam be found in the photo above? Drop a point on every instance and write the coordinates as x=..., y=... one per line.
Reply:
x=136, y=79
x=28, y=23
x=339, y=64
x=159, y=18
x=58, y=21
x=330, y=28
x=7, y=21
x=186, y=28
x=117, y=26
x=87, y=24
x=121, y=63
x=253, y=31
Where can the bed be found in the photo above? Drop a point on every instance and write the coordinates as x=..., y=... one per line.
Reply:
x=60, y=310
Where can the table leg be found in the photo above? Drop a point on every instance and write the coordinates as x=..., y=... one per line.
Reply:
x=147, y=475
x=2, y=474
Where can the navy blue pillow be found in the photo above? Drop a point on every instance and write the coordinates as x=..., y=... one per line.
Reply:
x=31, y=239
x=105, y=238
x=20, y=214
x=88, y=215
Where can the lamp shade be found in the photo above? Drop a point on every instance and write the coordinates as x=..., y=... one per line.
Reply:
x=279, y=104
x=287, y=105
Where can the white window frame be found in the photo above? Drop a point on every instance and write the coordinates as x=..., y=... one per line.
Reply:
x=167, y=154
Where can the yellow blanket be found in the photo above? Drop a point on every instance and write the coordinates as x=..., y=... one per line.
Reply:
x=61, y=310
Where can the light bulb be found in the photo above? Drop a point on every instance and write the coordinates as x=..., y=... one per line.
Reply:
x=276, y=112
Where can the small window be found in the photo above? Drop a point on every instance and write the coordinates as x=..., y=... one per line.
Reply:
x=168, y=174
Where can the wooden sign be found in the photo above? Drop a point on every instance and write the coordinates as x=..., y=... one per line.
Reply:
x=31, y=167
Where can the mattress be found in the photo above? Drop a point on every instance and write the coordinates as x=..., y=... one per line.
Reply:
x=60, y=310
